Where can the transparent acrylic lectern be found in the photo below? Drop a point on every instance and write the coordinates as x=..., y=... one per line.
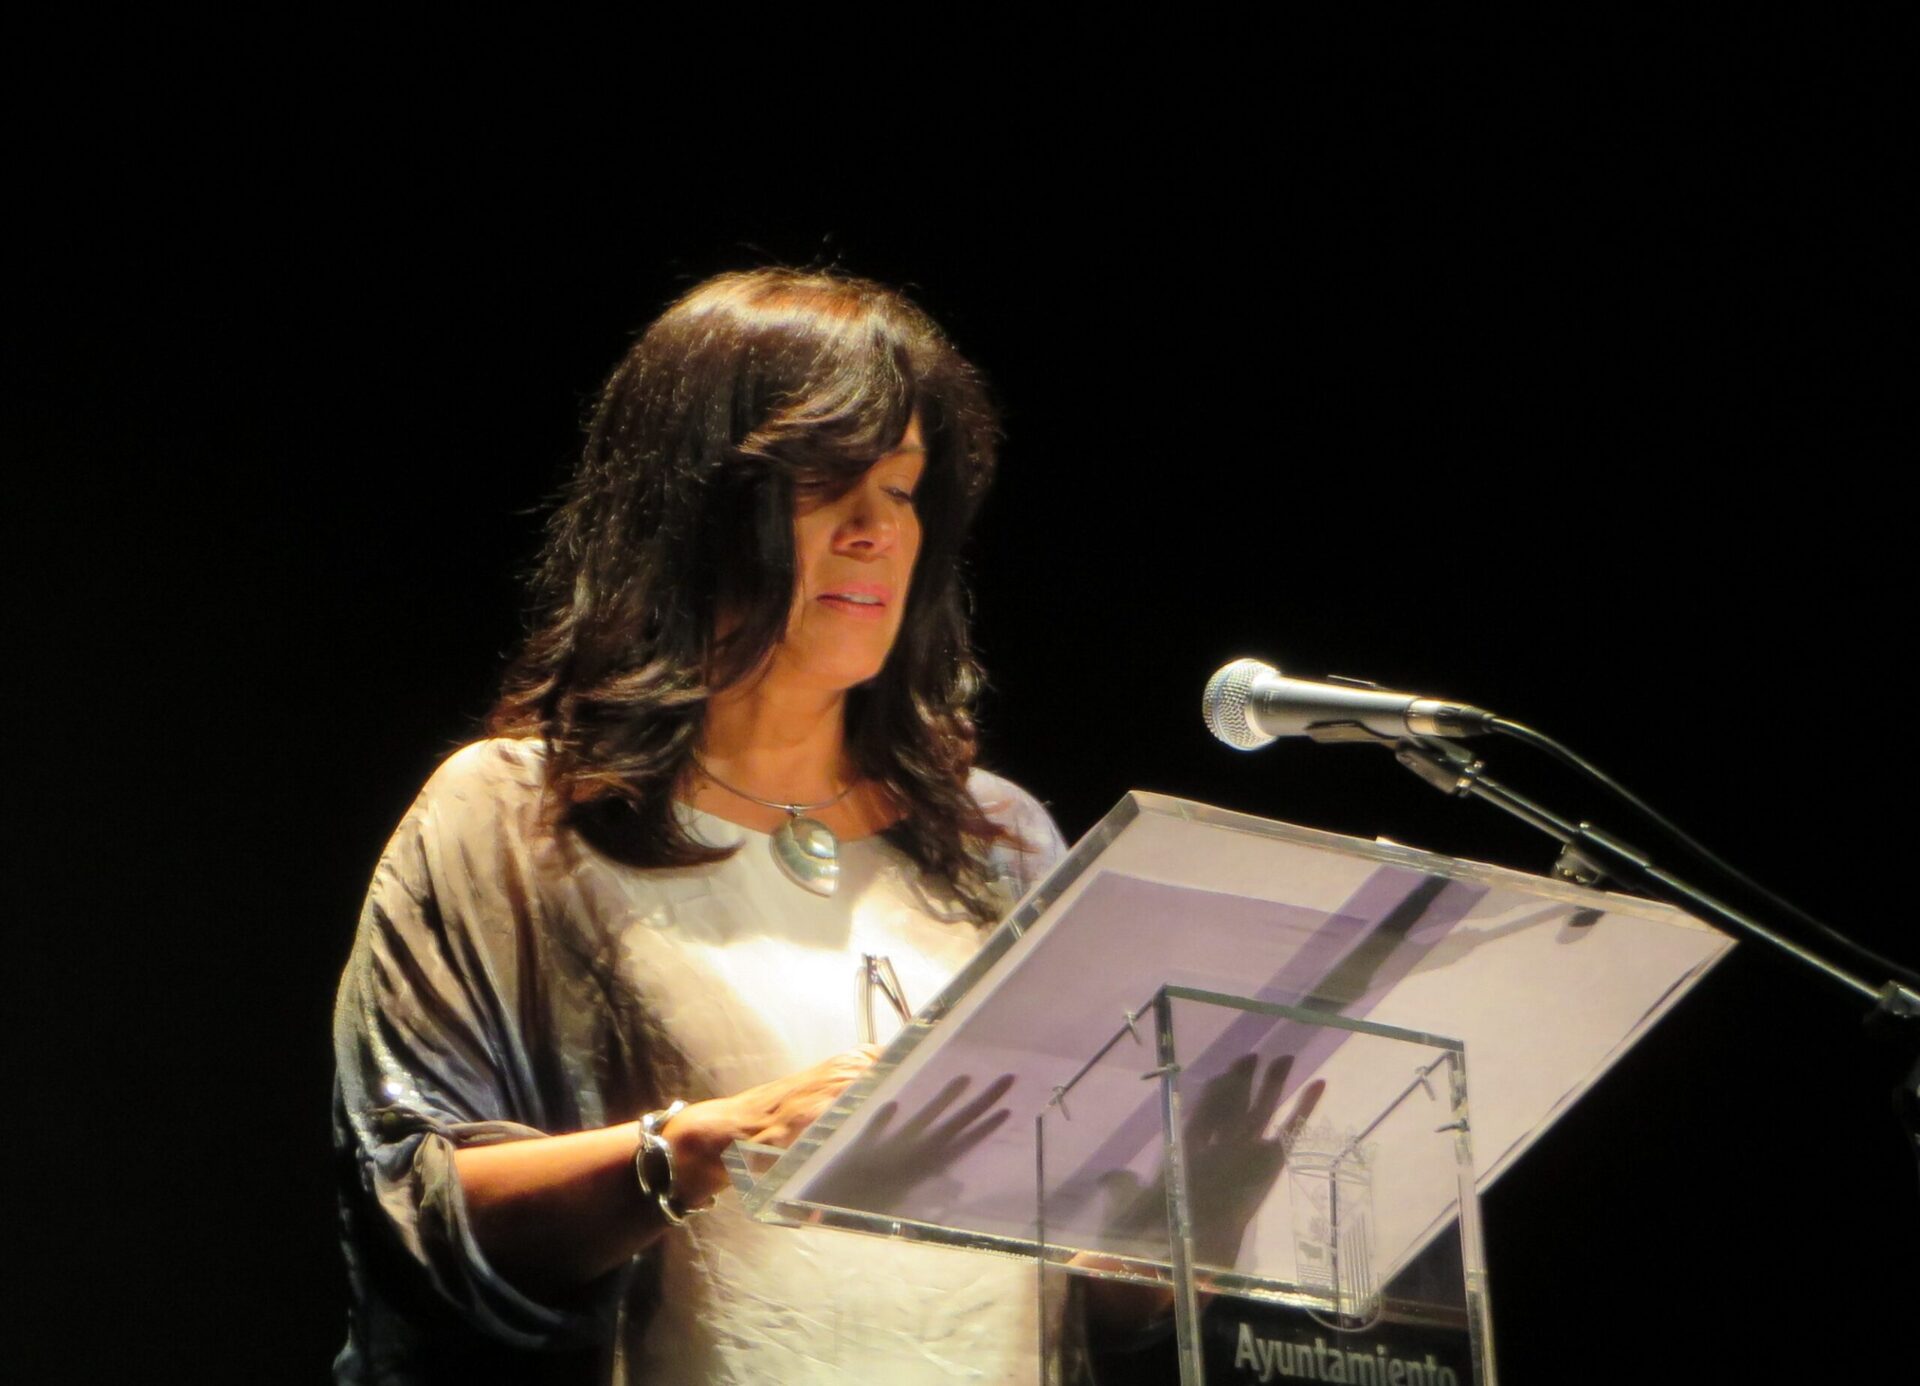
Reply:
x=1321, y=998
x=1312, y=1216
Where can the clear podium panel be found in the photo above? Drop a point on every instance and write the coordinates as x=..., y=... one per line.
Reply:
x=1231, y=1186
x=1545, y=983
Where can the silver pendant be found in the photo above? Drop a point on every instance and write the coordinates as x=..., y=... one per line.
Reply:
x=809, y=853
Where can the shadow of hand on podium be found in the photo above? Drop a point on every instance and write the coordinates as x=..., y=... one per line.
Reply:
x=889, y=1164
x=1232, y=1164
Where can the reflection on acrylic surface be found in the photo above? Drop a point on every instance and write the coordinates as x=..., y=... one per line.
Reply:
x=889, y=1163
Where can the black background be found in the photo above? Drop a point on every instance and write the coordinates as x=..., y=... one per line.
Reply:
x=1585, y=399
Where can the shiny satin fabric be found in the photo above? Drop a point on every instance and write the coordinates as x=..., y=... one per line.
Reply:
x=501, y=988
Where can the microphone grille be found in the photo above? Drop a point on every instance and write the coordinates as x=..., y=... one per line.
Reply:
x=1224, y=704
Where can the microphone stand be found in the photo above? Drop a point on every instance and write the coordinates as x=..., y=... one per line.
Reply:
x=1589, y=854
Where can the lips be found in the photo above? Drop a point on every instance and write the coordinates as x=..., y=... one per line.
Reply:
x=859, y=599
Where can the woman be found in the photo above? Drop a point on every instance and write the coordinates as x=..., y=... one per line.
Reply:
x=732, y=765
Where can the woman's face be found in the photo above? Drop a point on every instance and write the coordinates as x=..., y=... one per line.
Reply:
x=853, y=561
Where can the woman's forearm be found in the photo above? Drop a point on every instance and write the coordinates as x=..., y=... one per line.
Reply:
x=556, y=1212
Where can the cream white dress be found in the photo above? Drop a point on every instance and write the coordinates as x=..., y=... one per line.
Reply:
x=501, y=987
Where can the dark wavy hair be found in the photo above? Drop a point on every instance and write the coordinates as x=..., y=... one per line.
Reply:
x=753, y=391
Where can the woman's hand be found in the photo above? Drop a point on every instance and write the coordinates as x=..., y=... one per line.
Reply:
x=774, y=1113
x=555, y=1212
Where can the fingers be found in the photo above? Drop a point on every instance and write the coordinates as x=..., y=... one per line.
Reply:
x=1272, y=1085
x=1309, y=1099
x=1121, y=1190
x=1223, y=1101
x=788, y=1106
x=827, y=1080
x=775, y=1113
x=952, y=1152
x=930, y=1113
x=975, y=1109
x=855, y=1061
x=1230, y=1110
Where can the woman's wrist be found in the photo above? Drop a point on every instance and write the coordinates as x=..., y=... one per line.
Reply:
x=699, y=1134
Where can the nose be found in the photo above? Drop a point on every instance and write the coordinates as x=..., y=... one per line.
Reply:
x=867, y=526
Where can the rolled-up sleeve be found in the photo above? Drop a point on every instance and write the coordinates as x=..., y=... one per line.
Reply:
x=433, y=1052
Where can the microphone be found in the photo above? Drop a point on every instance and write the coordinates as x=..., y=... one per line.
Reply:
x=1249, y=703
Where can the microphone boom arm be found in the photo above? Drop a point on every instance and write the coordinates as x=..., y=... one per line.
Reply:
x=1589, y=853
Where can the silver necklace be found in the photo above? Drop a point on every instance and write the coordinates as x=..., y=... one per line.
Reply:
x=804, y=848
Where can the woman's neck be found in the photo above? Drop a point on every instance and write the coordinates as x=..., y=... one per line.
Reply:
x=778, y=745
x=789, y=747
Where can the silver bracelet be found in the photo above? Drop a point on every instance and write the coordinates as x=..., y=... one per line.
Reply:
x=653, y=1165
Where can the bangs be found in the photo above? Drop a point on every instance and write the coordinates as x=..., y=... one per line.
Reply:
x=821, y=375
x=830, y=391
